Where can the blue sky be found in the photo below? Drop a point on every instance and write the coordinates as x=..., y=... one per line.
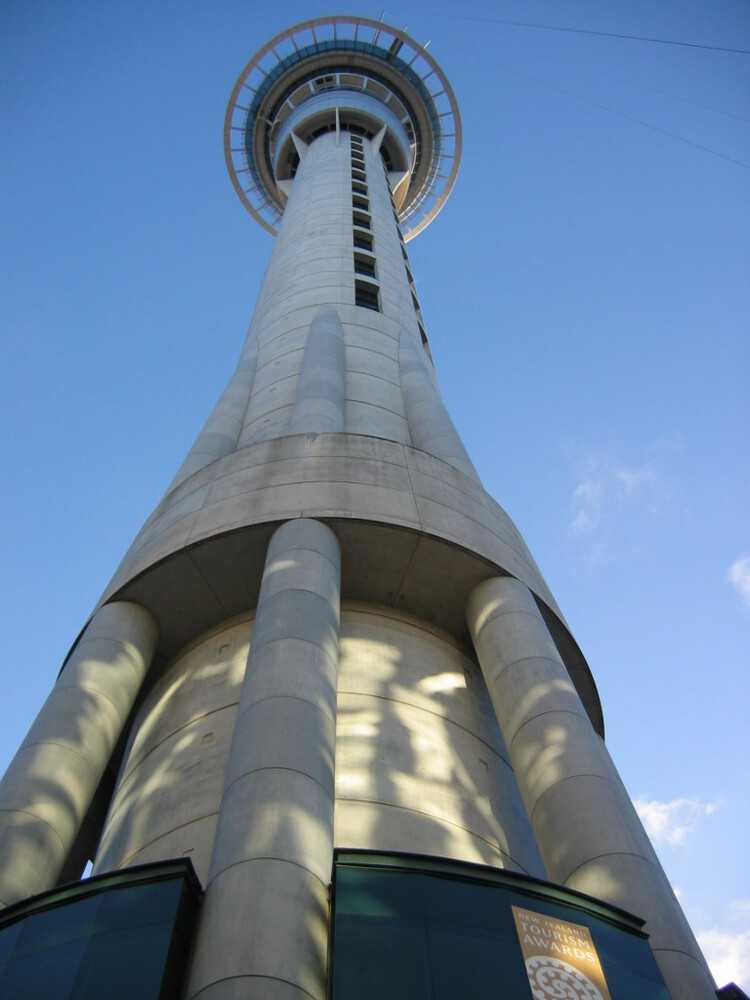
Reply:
x=587, y=301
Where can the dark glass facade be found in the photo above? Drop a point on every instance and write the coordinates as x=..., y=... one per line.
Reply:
x=409, y=928
x=120, y=936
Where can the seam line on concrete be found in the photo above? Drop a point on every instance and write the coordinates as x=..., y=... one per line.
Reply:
x=525, y=659
x=378, y=406
x=201, y=574
x=337, y=305
x=306, y=548
x=551, y=711
x=267, y=857
x=312, y=516
x=63, y=746
x=287, y=697
x=37, y=819
x=607, y=854
x=254, y=975
x=512, y=611
x=92, y=691
x=491, y=531
x=283, y=638
x=288, y=590
x=436, y=819
x=410, y=560
x=317, y=513
x=155, y=840
x=403, y=617
x=267, y=413
x=266, y=342
x=681, y=951
x=278, y=767
x=570, y=777
x=190, y=722
x=437, y=715
x=400, y=445
x=478, y=495
x=132, y=663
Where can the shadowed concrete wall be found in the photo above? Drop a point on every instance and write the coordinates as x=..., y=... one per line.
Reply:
x=586, y=826
x=168, y=793
x=420, y=763
x=50, y=782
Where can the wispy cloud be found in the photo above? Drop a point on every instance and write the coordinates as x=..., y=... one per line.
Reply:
x=739, y=577
x=608, y=491
x=727, y=951
x=671, y=823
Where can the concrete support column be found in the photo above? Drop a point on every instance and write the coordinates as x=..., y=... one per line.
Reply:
x=586, y=826
x=430, y=425
x=49, y=784
x=264, y=926
x=319, y=406
x=222, y=429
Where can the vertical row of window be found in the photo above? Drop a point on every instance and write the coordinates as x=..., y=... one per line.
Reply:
x=366, y=292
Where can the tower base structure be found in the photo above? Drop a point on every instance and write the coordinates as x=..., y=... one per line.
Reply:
x=328, y=677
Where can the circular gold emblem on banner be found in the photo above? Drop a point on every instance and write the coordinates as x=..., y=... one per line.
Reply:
x=553, y=979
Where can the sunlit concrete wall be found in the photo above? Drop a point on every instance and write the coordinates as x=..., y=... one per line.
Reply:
x=420, y=762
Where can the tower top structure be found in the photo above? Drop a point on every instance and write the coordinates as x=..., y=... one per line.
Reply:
x=350, y=74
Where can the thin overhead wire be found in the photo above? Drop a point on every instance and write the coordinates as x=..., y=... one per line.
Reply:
x=638, y=121
x=590, y=31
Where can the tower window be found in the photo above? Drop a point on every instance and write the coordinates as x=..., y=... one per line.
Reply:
x=403, y=253
x=359, y=202
x=359, y=175
x=363, y=241
x=361, y=219
x=366, y=295
x=415, y=302
x=364, y=265
x=325, y=83
x=359, y=188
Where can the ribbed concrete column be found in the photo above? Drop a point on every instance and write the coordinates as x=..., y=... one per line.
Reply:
x=264, y=926
x=319, y=406
x=588, y=831
x=50, y=782
x=430, y=425
x=222, y=429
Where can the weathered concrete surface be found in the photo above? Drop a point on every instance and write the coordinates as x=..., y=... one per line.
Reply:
x=50, y=782
x=166, y=803
x=421, y=766
x=587, y=829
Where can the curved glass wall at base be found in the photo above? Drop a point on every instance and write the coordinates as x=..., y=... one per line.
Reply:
x=117, y=936
x=408, y=927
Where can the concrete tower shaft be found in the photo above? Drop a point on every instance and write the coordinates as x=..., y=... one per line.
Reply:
x=327, y=635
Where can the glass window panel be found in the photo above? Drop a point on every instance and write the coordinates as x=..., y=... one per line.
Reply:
x=402, y=933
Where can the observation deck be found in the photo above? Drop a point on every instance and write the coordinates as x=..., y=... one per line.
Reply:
x=353, y=74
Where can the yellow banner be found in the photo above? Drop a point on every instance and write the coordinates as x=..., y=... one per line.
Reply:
x=561, y=960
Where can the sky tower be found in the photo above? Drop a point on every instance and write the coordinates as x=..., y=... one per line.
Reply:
x=327, y=731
